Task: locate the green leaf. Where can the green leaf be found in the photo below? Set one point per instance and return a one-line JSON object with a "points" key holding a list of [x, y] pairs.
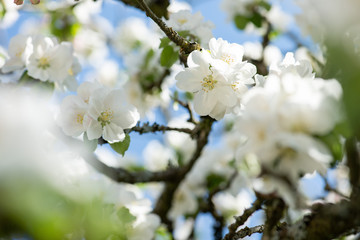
{"points": [[241, 21], [168, 57], [333, 142], [256, 19], [148, 57], [265, 5], [214, 180], [125, 216], [121, 147], [165, 41], [163, 234], [90, 144]]}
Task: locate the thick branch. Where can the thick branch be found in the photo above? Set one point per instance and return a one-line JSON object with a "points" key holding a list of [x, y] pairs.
{"points": [[123, 175], [165, 200], [159, 7], [187, 46], [240, 220], [327, 221], [147, 128]]}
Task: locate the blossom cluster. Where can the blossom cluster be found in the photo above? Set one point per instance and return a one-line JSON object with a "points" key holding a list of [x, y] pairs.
{"points": [[284, 119], [98, 111], [44, 59], [218, 77]]}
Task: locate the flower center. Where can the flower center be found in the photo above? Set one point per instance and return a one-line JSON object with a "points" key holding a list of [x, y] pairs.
{"points": [[105, 117], [43, 63], [182, 21], [228, 59], [79, 118], [208, 83]]}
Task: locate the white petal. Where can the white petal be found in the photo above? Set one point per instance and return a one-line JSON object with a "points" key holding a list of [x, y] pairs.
{"points": [[189, 80], [127, 117], [226, 95], [218, 112], [204, 102], [113, 133], [94, 130]]}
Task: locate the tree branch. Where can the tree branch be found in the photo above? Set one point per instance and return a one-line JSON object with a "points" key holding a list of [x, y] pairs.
{"points": [[248, 232], [240, 220], [201, 133], [147, 128], [125, 176], [187, 46], [159, 7]]}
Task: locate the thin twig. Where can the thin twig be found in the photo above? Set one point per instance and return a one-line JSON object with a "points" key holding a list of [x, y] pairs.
{"points": [[187, 46], [187, 106], [240, 220], [248, 232]]}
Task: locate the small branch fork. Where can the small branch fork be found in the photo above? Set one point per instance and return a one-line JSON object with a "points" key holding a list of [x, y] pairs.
{"points": [[186, 46], [240, 220]]}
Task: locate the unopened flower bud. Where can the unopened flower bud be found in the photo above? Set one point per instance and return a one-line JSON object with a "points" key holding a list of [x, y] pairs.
{"points": [[35, 1]]}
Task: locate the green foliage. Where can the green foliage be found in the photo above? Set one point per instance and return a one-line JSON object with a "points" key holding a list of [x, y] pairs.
{"points": [[63, 24], [163, 234], [31, 207], [256, 19], [334, 142], [165, 41], [124, 215], [90, 144], [265, 5], [168, 56], [214, 180], [121, 147], [241, 21]]}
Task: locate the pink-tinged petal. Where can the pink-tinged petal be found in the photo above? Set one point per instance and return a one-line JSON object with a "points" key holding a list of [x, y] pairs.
{"points": [[189, 80], [113, 133], [94, 129], [204, 103]]}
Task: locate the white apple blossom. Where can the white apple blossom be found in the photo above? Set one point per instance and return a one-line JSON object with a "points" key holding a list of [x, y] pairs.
{"points": [[72, 112], [229, 205], [289, 64], [49, 60], [109, 115], [218, 79], [20, 48], [184, 20], [282, 118], [253, 50], [73, 109], [279, 19]]}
